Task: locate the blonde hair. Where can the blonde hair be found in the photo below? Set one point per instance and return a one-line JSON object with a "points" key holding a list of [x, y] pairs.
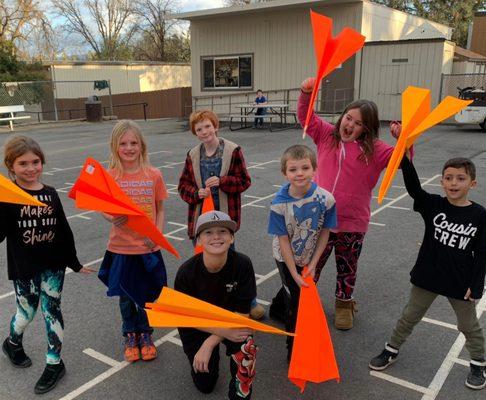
{"points": [[18, 146], [120, 128], [297, 152], [199, 116]]}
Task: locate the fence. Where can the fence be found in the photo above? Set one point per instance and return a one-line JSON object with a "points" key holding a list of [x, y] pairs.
{"points": [[327, 102], [65, 100], [451, 82]]}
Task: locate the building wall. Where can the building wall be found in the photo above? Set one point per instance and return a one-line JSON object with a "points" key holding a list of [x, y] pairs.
{"points": [[478, 40], [388, 68], [123, 78], [280, 41]]}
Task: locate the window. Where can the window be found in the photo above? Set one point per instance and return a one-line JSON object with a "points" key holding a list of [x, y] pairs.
{"points": [[228, 72]]}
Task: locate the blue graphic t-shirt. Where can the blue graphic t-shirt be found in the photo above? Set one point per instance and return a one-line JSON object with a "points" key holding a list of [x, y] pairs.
{"points": [[302, 220]]}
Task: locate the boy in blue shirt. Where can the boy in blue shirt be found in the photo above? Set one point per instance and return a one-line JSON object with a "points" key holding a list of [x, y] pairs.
{"points": [[260, 99], [301, 215]]}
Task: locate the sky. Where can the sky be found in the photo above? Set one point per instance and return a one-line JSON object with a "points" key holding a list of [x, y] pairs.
{"points": [[193, 5]]}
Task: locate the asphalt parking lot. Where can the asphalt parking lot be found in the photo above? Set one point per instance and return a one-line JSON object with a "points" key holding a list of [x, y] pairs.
{"points": [[432, 365]]}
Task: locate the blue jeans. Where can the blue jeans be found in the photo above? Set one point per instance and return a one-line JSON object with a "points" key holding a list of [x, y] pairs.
{"points": [[134, 318]]}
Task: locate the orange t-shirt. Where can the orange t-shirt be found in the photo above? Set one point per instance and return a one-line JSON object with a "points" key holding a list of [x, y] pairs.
{"points": [[145, 190]]}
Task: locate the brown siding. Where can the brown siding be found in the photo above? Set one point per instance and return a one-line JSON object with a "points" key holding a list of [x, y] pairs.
{"points": [[170, 103], [478, 41]]}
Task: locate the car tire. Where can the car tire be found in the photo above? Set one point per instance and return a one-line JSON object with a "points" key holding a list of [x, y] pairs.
{"points": [[483, 125]]}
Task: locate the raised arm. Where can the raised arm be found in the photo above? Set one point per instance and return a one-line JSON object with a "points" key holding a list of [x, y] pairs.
{"points": [[412, 181]]}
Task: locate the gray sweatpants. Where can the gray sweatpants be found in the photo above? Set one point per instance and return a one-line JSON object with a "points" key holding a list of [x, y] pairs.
{"points": [[467, 321]]}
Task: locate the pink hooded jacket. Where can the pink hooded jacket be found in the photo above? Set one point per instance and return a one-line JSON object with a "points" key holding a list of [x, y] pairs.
{"points": [[341, 172]]}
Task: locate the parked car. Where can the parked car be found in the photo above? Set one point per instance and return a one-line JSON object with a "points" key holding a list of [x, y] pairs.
{"points": [[474, 113]]}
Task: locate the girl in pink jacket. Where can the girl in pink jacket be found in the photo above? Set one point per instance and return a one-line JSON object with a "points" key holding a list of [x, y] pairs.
{"points": [[350, 159]]}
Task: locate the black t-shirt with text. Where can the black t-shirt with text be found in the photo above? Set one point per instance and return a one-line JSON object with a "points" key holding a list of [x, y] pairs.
{"points": [[38, 238], [452, 257], [232, 288]]}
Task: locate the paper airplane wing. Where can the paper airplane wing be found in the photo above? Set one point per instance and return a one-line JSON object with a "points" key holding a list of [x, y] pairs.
{"points": [[208, 205], [313, 357], [186, 310], [95, 189], [330, 52], [447, 107], [11, 193]]}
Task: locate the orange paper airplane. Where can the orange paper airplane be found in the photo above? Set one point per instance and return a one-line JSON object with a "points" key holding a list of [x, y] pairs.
{"points": [[313, 357], [96, 190], [174, 309], [416, 119], [330, 52], [11, 193], [207, 205]]}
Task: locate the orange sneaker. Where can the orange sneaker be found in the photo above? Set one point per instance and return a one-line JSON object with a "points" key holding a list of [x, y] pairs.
{"points": [[132, 352], [147, 348]]}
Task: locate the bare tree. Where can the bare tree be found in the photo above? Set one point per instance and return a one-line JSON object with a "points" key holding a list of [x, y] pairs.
{"points": [[243, 2], [107, 26], [23, 19], [155, 26]]}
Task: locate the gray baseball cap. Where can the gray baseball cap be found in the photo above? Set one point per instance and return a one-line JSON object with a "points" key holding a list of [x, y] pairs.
{"points": [[214, 218]]}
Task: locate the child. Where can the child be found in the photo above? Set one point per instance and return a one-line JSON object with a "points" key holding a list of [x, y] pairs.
{"points": [[225, 278], [451, 262], [133, 267], [260, 99], [350, 158], [301, 215], [214, 166], [40, 245]]}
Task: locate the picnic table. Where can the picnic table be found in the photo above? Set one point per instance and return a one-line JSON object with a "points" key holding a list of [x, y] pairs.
{"points": [[275, 111]]}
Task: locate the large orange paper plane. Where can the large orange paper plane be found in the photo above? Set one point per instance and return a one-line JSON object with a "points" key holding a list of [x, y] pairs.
{"points": [[330, 51], [174, 309], [96, 190], [11, 193], [207, 205], [313, 357], [416, 119]]}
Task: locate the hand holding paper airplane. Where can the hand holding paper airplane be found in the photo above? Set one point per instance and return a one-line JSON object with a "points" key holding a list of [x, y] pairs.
{"points": [[96, 190], [416, 119], [330, 51]]}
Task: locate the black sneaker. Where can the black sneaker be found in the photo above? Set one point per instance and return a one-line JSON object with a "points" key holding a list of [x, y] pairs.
{"points": [[388, 356], [477, 376], [49, 378], [16, 355]]}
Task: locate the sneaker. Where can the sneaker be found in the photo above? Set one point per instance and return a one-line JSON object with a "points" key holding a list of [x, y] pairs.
{"points": [[388, 356], [477, 376], [16, 355], [132, 352], [147, 348], [50, 377], [257, 312]]}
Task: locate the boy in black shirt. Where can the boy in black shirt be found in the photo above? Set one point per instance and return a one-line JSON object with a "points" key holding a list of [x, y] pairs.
{"points": [[451, 262], [225, 278]]}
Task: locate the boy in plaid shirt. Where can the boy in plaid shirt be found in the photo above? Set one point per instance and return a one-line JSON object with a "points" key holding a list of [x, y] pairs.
{"points": [[215, 166]]}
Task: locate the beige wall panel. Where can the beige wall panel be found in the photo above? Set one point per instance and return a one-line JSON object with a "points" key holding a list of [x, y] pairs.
{"points": [[281, 43], [123, 78], [383, 23], [383, 80]]}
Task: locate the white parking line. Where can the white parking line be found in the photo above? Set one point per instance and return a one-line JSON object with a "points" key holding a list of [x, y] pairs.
{"points": [[252, 203], [263, 302], [399, 208], [377, 223], [400, 382], [101, 357], [440, 323], [257, 165]]}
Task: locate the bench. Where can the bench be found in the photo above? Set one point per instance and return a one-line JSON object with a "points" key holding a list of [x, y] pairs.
{"points": [[243, 119], [11, 110]]}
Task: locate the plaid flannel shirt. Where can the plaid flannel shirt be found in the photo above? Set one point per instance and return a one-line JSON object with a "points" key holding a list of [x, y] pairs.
{"points": [[232, 185]]}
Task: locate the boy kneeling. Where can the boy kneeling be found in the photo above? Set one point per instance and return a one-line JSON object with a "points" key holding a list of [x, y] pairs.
{"points": [[225, 278]]}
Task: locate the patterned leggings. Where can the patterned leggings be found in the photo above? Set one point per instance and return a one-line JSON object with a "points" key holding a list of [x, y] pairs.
{"points": [[347, 248], [46, 287]]}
